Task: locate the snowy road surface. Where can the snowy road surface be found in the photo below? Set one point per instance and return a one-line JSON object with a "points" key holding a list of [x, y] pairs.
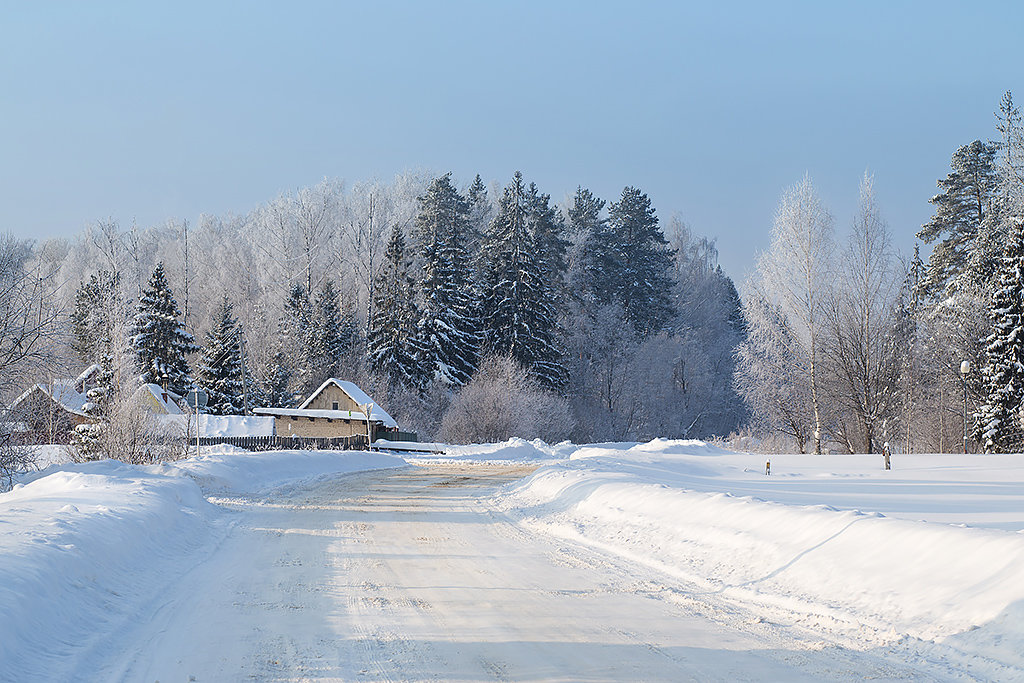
{"points": [[410, 574]]}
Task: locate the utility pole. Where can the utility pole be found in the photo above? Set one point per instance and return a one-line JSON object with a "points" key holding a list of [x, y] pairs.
{"points": [[965, 367], [241, 353]]}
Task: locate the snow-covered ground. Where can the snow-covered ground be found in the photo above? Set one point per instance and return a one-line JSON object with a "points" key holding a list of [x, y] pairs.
{"points": [[665, 560], [512, 451], [926, 560], [84, 548]]}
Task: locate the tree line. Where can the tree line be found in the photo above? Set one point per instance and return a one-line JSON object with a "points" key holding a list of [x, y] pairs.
{"points": [[586, 320], [850, 346]]}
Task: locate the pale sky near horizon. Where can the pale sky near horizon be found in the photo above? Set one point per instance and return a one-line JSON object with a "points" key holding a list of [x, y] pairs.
{"points": [[145, 111]]}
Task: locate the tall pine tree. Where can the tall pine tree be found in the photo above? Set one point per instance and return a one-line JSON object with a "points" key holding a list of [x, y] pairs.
{"points": [[999, 425], [160, 340], [392, 347], [967, 244], [448, 333], [275, 381], [220, 373], [638, 269], [589, 229], [518, 304], [93, 316], [297, 341]]}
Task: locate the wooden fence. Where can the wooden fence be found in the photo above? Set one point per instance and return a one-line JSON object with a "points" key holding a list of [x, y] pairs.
{"points": [[288, 443]]}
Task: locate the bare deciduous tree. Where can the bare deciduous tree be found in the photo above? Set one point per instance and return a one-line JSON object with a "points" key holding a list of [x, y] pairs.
{"points": [[795, 276], [502, 401], [863, 352]]}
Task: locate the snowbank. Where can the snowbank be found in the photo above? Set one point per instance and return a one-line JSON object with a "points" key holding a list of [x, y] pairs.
{"points": [[222, 425], [82, 546], [226, 468], [514, 450], [870, 578]]}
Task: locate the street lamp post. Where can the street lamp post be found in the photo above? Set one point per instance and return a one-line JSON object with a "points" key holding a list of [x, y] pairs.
{"points": [[965, 368]]}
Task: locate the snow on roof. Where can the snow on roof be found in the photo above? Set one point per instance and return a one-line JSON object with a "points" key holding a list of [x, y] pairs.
{"points": [[377, 414], [158, 393], [87, 373], [62, 392], [309, 412]]}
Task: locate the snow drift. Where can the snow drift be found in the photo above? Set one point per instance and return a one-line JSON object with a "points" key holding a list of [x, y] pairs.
{"points": [[869, 578], [83, 546], [513, 450]]}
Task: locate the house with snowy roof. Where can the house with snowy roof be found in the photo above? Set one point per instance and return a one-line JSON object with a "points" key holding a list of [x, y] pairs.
{"points": [[337, 408], [51, 410], [158, 400]]}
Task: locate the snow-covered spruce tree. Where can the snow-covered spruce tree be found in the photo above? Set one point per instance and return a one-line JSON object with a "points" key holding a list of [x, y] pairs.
{"points": [[392, 347], [161, 342], [94, 304], [275, 382], [220, 372], [588, 231], [639, 267], [548, 230], [123, 427], [295, 334], [448, 332], [963, 257], [87, 438], [480, 213], [519, 310], [999, 423], [333, 334]]}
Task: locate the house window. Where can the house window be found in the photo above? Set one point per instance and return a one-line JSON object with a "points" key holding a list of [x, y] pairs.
{"points": [[294, 418], [334, 405], [310, 419]]}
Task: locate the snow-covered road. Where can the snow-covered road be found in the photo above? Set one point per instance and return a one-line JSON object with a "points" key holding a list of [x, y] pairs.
{"points": [[411, 574]]}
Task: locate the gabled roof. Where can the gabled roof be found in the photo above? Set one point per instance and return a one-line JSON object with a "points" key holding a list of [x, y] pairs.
{"points": [[168, 406], [62, 392], [377, 414]]}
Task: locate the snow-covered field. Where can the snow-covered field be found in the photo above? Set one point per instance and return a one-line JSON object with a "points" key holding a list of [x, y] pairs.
{"points": [[926, 559], [830, 568]]}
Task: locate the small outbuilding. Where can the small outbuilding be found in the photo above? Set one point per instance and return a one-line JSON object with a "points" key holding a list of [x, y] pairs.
{"points": [[337, 408]]}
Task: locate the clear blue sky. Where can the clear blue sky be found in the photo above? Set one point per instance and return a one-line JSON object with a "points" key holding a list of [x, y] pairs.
{"points": [[159, 110]]}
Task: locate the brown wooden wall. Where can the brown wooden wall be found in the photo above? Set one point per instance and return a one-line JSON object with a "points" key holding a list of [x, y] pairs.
{"points": [[318, 426], [329, 396]]}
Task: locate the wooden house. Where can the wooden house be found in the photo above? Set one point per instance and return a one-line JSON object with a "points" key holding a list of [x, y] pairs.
{"points": [[49, 411], [337, 408]]}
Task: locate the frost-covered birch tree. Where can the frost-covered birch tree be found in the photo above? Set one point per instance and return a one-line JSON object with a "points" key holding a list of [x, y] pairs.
{"points": [[794, 278], [864, 352]]}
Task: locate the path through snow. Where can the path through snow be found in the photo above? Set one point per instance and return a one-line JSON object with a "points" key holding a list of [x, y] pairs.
{"points": [[411, 574]]}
